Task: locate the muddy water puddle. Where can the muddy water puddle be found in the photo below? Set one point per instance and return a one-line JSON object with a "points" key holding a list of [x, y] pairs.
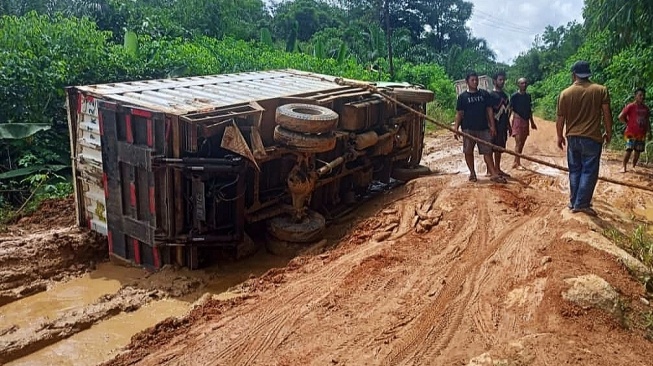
{"points": [[547, 170], [104, 340], [60, 297], [647, 213], [229, 274]]}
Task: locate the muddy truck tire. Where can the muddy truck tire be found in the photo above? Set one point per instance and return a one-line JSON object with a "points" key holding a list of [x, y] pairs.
{"points": [[304, 142], [306, 118], [309, 230], [413, 95], [288, 249], [407, 174]]}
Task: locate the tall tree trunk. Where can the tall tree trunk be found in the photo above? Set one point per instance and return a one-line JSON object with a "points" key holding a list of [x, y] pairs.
{"points": [[388, 36]]}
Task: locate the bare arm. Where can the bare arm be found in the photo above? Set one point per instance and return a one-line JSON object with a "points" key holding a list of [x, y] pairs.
{"points": [[622, 117], [490, 121], [509, 120], [457, 121], [560, 121], [607, 122], [530, 108], [560, 125]]}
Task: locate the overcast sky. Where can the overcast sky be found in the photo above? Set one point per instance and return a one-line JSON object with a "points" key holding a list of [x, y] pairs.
{"points": [[510, 26]]}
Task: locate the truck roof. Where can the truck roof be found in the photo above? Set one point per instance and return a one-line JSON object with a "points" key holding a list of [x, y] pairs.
{"points": [[204, 93]]}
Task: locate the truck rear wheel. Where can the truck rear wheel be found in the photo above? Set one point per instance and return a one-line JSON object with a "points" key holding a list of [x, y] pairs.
{"points": [[308, 230], [306, 118], [406, 174], [304, 142]]}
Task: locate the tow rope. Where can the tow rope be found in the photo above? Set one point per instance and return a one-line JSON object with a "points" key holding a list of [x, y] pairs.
{"points": [[372, 88]]}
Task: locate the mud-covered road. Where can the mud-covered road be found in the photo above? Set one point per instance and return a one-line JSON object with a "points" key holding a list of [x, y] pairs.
{"points": [[440, 271]]}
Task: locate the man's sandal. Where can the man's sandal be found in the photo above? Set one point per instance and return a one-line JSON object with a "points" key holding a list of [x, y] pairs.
{"points": [[472, 178], [499, 179]]}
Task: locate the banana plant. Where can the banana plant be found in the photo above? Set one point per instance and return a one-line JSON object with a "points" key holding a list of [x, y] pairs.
{"points": [[266, 37], [342, 53], [291, 42], [20, 131], [131, 43], [318, 50]]}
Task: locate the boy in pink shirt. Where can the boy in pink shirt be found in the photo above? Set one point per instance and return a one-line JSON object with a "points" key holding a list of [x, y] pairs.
{"points": [[636, 117]]}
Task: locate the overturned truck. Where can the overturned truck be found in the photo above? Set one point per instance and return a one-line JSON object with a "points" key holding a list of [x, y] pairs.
{"points": [[167, 169]]}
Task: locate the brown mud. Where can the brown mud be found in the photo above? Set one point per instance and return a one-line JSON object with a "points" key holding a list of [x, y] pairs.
{"points": [[439, 271], [45, 247], [19, 342], [481, 284]]}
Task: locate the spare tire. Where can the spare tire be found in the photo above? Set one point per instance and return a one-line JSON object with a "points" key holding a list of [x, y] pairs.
{"points": [[413, 95], [305, 142], [310, 229], [306, 118]]}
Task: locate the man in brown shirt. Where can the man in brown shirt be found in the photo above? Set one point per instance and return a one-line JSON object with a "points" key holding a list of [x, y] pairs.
{"points": [[581, 107]]}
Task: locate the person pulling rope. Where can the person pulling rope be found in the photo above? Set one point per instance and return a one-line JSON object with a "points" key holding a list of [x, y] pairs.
{"points": [[374, 89]]}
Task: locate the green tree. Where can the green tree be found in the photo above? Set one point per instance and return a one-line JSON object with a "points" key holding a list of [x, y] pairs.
{"points": [[311, 15], [445, 22], [627, 22], [549, 52], [240, 19]]}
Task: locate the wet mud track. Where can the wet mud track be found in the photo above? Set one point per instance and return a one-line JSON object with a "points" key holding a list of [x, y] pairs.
{"points": [[481, 286], [63, 303], [440, 271], [37, 250]]}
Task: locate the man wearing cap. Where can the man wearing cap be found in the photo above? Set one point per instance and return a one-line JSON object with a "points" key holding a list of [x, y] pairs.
{"points": [[581, 108]]}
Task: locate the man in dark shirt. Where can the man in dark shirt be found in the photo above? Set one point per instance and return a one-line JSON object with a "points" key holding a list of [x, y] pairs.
{"points": [[521, 105], [474, 114], [501, 112]]}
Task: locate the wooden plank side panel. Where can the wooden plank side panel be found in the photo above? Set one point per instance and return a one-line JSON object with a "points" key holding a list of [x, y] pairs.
{"points": [[89, 163]]}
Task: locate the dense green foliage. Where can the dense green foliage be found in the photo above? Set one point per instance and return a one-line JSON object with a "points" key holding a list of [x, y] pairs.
{"points": [[41, 54], [549, 53], [420, 31], [617, 40]]}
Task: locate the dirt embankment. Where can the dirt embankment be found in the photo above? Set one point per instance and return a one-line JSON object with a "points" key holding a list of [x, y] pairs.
{"points": [[501, 274], [45, 247]]}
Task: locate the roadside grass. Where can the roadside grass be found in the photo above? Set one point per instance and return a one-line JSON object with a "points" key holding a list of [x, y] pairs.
{"points": [[647, 323], [439, 113], [639, 243], [618, 143]]}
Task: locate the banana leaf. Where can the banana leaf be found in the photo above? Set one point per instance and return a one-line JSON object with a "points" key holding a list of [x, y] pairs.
{"points": [[131, 43], [19, 131], [15, 173]]}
